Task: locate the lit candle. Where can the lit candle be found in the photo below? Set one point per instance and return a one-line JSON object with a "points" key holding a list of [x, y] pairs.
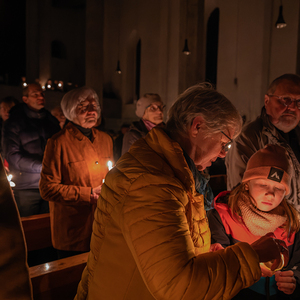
{"points": [[109, 165], [11, 183]]}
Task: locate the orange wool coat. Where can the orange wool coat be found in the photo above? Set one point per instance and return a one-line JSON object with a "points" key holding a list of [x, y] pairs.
{"points": [[151, 237], [72, 166]]}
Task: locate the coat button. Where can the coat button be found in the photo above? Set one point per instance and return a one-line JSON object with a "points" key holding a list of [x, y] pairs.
{"points": [[96, 162]]}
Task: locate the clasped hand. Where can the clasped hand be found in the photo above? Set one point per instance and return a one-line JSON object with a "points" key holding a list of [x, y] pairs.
{"points": [[95, 194]]}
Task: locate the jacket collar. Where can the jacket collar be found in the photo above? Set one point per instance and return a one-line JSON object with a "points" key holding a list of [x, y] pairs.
{"points": [[41, 114], [77, 133], [173, 154]]}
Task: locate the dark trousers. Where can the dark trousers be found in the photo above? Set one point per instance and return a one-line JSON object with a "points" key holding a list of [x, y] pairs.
{"points": [[30, 203]]}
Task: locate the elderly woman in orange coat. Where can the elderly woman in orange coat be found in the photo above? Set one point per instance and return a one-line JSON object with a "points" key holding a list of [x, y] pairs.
{"points": [[75, 163]]}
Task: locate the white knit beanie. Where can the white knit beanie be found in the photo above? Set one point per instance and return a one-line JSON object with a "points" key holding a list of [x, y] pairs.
{"points": [[144, 102]]}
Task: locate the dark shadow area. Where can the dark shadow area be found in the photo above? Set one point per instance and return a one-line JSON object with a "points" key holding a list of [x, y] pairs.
{"points": [[13, 41], [212, 39], [41, 256]]}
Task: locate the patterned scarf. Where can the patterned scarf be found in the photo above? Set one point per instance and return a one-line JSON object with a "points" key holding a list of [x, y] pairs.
{"points": [[258, 222]]}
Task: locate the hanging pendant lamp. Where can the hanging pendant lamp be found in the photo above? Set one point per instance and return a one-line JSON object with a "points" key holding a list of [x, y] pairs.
{"points": [[186, 50], [118, 69], [280, 23]]}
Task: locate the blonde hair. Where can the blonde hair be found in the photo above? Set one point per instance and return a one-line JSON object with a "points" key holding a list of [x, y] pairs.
{"points": [[202, 99], [292, 224]]}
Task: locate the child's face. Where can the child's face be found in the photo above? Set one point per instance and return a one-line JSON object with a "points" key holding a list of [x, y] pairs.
{"points": [[268, 194]]}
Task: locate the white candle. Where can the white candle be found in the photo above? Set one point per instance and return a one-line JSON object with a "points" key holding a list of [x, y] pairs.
{"points": [[109, 165], [9, 177]]}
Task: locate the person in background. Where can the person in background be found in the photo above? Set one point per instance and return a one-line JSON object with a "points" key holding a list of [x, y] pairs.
{"points": [[25, 134], [118, 141], [59, 115], [151, 238], [150, 110], [256, 207], [278, 124], [75, 163], [14, 271], [5, 105]]}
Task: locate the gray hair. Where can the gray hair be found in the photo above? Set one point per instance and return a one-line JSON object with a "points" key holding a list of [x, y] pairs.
{"points": [[293, 78], [203, 100], [73, 98]]}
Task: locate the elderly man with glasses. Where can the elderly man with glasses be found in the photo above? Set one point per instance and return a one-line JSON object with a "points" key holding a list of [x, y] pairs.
{"points": [[151, 238], [278, 125], [150, 110]]}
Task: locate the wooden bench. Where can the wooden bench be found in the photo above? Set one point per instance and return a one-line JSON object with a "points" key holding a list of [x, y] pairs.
{"points": [[37, 231], [57, 279]]}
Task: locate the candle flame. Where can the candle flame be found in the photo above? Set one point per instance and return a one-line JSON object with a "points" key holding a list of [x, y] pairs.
{"points": [[109, 165], [11, 183]]}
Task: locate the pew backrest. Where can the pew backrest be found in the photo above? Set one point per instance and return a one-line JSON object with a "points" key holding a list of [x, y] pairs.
{"points": [[57, 279], [37, 231]]}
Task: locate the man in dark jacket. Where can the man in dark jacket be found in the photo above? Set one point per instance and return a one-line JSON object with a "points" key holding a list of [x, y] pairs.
{"points": [[25, 135]]}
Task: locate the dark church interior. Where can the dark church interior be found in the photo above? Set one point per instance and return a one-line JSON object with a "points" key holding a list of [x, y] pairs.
{"points": [[122, 51]]}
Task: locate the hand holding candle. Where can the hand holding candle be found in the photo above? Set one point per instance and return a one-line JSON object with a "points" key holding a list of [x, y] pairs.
{"points": [[97, 190], [271, 250], [11, 183]]}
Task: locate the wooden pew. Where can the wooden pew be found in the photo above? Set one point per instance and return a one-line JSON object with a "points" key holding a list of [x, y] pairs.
{"points": [[37, 231], [58, 279]]}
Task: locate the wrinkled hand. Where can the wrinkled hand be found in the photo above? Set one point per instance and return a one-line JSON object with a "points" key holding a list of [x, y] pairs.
{"points": [[268, 249], [265, 272], [97, 190], [285, 281], [215, 247], [95, 194], [94, 197]]}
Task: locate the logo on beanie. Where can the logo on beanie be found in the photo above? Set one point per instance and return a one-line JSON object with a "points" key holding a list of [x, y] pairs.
{"points": [[275, 174]]}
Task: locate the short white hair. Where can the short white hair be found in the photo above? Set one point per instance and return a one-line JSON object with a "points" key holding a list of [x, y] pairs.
{"points": [[72, 99]]}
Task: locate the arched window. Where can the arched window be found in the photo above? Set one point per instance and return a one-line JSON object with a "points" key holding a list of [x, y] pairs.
{"points": [[133, 68], [138, 69], [212, 39]]}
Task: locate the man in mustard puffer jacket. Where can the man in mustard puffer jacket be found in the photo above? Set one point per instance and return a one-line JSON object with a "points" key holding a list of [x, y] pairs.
{"points": [[151, 238]]}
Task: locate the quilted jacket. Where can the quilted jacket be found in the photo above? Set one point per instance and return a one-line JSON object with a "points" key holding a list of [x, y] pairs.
{"points": [[151, 237], [72, 165], [25, 135]]}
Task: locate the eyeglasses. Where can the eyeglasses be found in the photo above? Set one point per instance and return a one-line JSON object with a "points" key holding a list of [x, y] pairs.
{"points": [[227, 146], [287, 101], [89, 107], [154, 107]]}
